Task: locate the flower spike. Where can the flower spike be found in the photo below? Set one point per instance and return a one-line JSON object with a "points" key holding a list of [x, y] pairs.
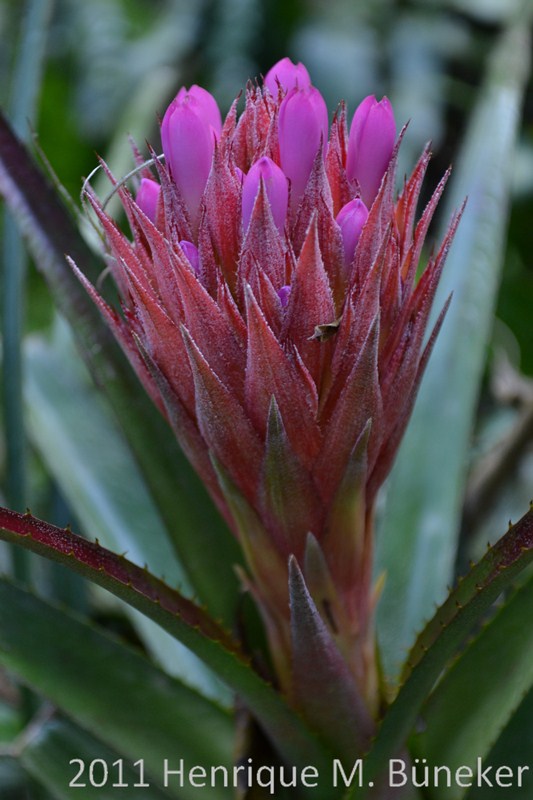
{"points": [[271, 309]]}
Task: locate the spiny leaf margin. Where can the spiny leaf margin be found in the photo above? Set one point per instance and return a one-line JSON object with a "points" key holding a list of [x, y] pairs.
{"points": [[442, 636], [187, 622]]}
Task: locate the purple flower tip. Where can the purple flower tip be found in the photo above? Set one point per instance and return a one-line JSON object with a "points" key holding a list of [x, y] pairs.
{"points": [[276, 189], [370, 146], [191, 253], [288, 76], [284, 293], [351, 219], [147, 197], [188, 131], [303, 125]]}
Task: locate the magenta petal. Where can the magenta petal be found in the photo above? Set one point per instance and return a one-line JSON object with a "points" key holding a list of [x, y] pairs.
{"points": [[191, 253], [303, 126], [288, 76], [276, 188], [370, 146], [147, 197], [188, 142], [284, 294], [351, 219], [205, 103]]}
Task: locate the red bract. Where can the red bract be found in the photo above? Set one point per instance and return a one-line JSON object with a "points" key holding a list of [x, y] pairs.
{"points": [[286, 349]]}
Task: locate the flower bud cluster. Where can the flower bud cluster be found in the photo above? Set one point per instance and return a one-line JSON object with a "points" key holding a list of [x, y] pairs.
{"points": [[192, 126], [272, 310]]}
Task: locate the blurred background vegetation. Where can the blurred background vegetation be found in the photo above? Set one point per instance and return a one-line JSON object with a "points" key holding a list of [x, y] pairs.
{"points": [[76, 78]]}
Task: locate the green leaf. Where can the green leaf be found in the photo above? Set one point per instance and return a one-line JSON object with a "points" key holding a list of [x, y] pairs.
{"points": [[177, 615], [77, 436], [509, 751], [476, 698], [51, 748], [206, 548], [417, 536], [23, 101], [442, 638], [108, 688]]}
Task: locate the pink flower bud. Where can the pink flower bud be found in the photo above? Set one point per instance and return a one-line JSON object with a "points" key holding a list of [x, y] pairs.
{"points": [[207, 105], [372, 137], [351, 219], [303, 124], [190, 252], [147, 197], [288, 76], [188, 131], [276, 189]]}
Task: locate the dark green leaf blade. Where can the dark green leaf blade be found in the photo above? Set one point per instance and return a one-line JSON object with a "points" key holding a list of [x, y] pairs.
{"points": [[109, 688], [478, 695], [417, 541], [54, 744], [178, 616], [444, 635]]}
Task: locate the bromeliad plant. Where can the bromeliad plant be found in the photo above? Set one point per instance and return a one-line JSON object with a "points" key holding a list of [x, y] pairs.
{"points": [[276, 323], [272, 305]]}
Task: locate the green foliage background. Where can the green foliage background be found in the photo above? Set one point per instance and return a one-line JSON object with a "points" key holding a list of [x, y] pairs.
{"points": [[91, 73]]}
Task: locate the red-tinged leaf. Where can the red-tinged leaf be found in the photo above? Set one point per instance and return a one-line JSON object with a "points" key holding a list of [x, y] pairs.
{"points": [[412, 256], [349, 554], [181, 618], [114, 572], [359, 401], [397, 426], [228, 128], [316, 202], [419, 302], [222, 203], [252, 128], [122, 252], [335, 161], [163, 341], [208, 271], [268, 300], [360, 311], [270, 372], [213, 333], [228, 307], [263, 247], [310, 305], [177, 225], [288, 499], [163, 263], [123, 335], [405, 212], [223, 423], [326, 693], [391, 286], [186, 431]]}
